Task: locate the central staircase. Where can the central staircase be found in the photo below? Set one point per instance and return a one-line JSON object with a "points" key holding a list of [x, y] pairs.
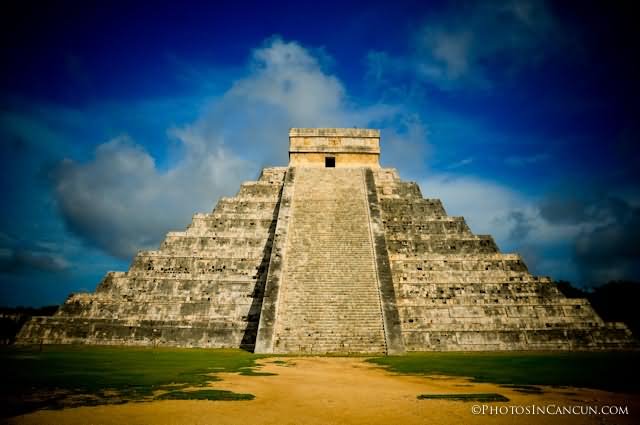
{"points": [[330, 297]]}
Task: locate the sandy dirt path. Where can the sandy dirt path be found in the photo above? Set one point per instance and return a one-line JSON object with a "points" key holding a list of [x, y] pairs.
{"points": [[324, 390]]}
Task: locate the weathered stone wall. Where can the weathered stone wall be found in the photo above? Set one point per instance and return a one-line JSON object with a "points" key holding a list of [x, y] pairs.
{"points": [[456, 291], [370, 133], [203, 287], [351, 147]]}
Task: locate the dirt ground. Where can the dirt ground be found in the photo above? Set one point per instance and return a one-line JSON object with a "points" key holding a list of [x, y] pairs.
{"points": [[325, 390]]}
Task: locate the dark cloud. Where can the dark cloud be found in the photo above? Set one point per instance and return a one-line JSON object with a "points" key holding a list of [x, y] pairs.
{"points": [[606, 248], [573, 209], [23, 261], [611, 251], [19, 258], [563, 210], [521, 225]]}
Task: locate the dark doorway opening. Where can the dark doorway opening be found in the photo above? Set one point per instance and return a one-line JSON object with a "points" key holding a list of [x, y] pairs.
{"points": [[329, 162]]}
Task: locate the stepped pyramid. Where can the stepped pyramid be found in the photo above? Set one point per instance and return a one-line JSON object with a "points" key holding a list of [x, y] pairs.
{"points": [[330, 254]]}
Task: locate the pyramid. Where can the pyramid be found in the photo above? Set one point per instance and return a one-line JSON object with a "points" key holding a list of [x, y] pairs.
{"points": [[332, 254]]}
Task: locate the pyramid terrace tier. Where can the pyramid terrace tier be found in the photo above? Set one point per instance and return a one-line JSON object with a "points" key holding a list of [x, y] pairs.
{"points": [[603, 338], [458, 262], [243, 206], [261, 191], [389, 185], [486, 317], [211, 313], [221, 305], [201, 288], [480, 244], [401, 190], [101, 331], [402, 209], [238, 225], [456, 289], [409, 227], [215, 245], [431, 301], [274, 175], [160, 265], [459, 278]]}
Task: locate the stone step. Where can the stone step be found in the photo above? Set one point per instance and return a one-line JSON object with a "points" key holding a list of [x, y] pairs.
{"points": [[330, 280], [323, 338], [330, 328]]}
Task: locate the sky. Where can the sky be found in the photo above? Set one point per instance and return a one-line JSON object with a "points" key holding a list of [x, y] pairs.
{"points": [[120, 121]]}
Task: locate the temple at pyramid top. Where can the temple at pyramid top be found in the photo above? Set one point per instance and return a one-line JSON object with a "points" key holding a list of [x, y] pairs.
{"points": [[334, 147]]}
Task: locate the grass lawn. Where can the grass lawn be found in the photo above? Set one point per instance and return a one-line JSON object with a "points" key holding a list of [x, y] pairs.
{"points": [[65, 376], [611, 371], [68, 376]]}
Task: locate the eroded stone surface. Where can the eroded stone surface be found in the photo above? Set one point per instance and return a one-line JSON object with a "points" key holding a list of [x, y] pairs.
{"points": [[348, 147], [456, 291], [330, 297], [203, 287], [315, 259]]}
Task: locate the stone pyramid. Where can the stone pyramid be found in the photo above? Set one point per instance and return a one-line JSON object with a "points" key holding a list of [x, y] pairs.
{"points": [[330, 254]]}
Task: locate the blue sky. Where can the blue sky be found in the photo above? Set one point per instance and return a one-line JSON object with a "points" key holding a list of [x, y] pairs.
{"points": [[118, 122]]}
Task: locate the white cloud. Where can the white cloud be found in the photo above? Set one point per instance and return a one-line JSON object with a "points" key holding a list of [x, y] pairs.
{"points": [[287, 76], [404, 143], [121, 201], [493, 208], [481, 202], [445, 55]]}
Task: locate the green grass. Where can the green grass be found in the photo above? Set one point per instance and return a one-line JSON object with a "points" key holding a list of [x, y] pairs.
{"points": [[482, 397], [611, 371], [60, 376]]}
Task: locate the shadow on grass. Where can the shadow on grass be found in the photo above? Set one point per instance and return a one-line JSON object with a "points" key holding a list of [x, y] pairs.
{"points": [[205, 395], [482, 397], [71, 376], [247, 371], [526, 389]]}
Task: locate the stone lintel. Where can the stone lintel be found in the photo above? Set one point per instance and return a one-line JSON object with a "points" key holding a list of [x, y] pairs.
{"points": [[335, 132]]}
